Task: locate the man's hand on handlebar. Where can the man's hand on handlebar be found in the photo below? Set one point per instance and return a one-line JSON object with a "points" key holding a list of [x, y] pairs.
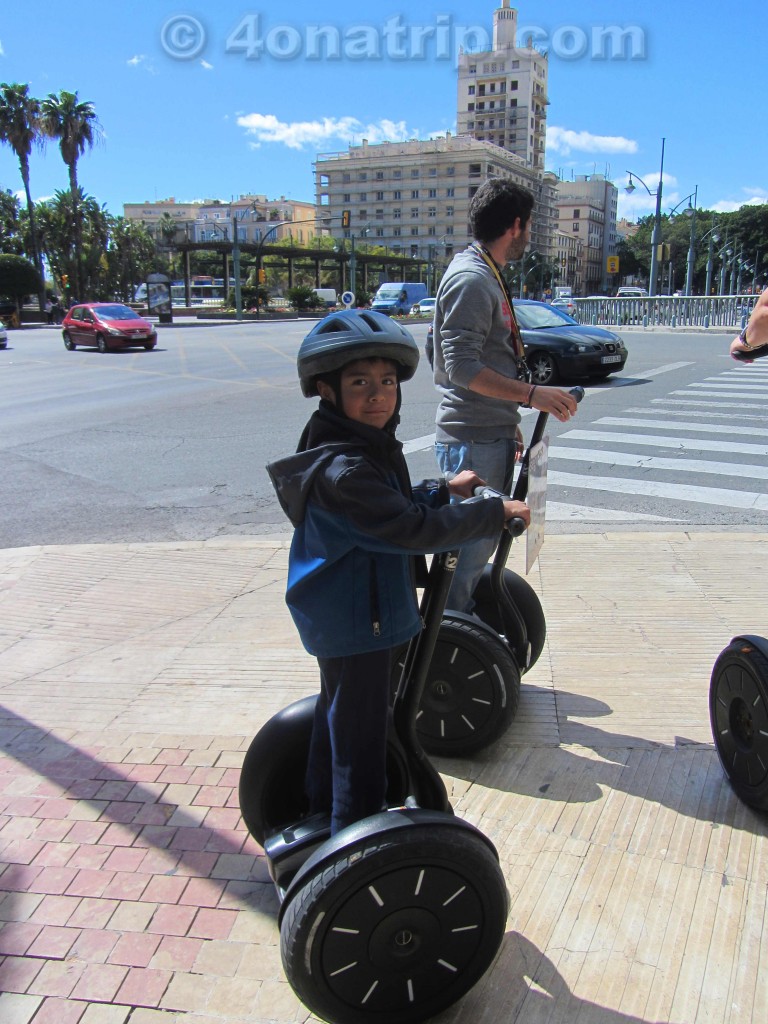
{"points": [[558, 403]]}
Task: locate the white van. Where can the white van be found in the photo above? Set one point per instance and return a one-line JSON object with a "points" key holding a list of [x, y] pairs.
{"points": [[630, 292], [327, 296]]}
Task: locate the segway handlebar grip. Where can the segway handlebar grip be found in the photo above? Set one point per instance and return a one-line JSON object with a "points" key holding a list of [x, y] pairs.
{"points": [[578, 393], [747, 357], [515, 526]]}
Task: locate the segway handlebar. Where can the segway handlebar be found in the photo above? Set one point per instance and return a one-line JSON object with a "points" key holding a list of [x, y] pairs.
{"points": [[747, 357], [515, 525]]}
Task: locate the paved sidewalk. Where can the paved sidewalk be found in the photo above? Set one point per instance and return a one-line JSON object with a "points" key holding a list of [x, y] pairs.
{"points": [[132, 678]]}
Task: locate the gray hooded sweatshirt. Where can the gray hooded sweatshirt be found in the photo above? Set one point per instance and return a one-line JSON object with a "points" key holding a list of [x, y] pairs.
{"points": [[472, 331]]}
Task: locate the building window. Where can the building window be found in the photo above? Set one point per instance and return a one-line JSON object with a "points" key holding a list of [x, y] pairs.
{"points": [[432, 231], [379, 175], [450, 171], [481, 90], [449, 211], [362, 176], [513, 84], [473, 69], [380, 197], [471, 90], [396, 232], [433, 193], [363, 197], [362, 214], [397, 195], [470, 107], [379, 232], [433, 172], [380, 214], [577, 214], [470, 125], [415, 231], [414, 213], [415, 172], [475, 169], [432, 211], [450, 192], [346, 177], [397, 174], [448, 231], [347, 198], [471, 192], [414, 193], [397, 213]]}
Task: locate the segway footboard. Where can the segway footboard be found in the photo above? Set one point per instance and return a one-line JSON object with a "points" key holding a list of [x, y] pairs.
{"points": [[738, 709]]}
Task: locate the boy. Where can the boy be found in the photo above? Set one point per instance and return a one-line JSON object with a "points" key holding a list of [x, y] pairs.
{"points": [[357, 522]]}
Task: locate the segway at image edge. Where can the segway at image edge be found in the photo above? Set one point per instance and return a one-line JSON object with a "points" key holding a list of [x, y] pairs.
{"points": [[738, 711]]}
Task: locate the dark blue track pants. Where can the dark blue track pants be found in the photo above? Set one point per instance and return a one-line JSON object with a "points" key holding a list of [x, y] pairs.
{"points": [[346, 772]]}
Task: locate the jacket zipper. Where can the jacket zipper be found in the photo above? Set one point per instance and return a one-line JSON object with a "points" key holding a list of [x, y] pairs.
{"points": [[374, 598]]}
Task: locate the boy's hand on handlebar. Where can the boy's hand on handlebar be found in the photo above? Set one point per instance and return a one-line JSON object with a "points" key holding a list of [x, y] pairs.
{"points": [[517, 510], [464, 483], [555, 401]]}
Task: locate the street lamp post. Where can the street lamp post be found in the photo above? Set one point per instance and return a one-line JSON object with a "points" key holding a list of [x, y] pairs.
{"points": [[656, 236], [713, 238], [262, 240], [690, 211]]}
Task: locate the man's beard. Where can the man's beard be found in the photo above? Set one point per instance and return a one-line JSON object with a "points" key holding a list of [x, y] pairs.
{"points": [[516, 249]]}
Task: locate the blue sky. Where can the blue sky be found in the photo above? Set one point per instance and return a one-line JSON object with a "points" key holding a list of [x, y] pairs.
{"points": [[216, 100]]}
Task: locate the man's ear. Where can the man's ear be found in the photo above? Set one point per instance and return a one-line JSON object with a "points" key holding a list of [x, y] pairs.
{"points": [[326, 391]]}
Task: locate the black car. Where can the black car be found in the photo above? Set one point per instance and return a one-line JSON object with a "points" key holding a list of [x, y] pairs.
{"points": [[558, 349]]}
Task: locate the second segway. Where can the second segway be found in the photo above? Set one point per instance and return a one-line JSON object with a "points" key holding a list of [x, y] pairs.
{"points": [[472, 689]]}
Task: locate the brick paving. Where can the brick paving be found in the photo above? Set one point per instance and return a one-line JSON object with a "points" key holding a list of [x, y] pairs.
{"points": [[132, 679]]}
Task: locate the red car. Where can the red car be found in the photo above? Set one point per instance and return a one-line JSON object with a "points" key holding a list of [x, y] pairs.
{"points": [[105, 325]]}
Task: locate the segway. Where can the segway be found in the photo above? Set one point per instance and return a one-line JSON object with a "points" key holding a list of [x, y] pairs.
{"points": [[397, 916], [738, 712], [472, 690], [738, 703]]}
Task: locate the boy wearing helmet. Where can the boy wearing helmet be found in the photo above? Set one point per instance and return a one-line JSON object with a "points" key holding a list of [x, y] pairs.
{"points": [[357, 523]]}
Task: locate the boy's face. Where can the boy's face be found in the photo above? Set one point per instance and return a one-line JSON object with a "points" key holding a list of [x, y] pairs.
{"points": [[368, 391]]}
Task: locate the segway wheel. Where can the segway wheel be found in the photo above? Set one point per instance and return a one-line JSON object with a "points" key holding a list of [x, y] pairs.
{"points": [[397, 927], [472, 689], [526, 600], [271, 790], [738, 711]]}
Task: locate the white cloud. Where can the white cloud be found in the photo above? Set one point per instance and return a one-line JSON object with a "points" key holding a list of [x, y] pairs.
{"points": [[2, 51], [138, 58], [297, 134], [730, 205], [565, 140], [206, 65]]}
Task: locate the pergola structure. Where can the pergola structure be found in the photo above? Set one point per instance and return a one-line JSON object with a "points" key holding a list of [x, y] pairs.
{"points": [[393, 266]]}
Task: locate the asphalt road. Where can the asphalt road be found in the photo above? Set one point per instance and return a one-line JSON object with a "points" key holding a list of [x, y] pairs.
{"points": [[172, 444]]}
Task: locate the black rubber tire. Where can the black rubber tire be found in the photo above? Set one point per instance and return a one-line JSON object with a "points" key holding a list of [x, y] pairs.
{"points": [[69, 345], [101, 343], [149, 346], [397, 928], [471, 693], [543, 368], [271, 788], [738, 712], [527, 603]]}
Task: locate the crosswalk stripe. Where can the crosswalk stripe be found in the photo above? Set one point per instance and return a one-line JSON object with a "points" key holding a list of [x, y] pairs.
{"points": [[704, 428], [699, 393], [697, 403], [681, 443], [655, 462], [729, 416], [658, 489]]}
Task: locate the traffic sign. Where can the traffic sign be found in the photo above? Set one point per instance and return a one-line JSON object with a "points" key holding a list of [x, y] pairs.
{"points": [[612, 264], [348, 299]]}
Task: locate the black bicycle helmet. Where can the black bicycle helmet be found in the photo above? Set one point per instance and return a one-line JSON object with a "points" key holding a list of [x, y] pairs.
{"points": [[352, 334]]}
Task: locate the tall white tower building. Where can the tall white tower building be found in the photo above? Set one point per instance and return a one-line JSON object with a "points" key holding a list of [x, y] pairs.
{"points": [[502, 93]]}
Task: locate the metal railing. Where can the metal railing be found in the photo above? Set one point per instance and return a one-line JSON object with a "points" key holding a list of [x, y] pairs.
{"points": [[730, 311]]}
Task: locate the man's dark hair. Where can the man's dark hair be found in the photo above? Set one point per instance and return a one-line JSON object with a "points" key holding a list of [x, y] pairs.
{"points": [[495, 207]]}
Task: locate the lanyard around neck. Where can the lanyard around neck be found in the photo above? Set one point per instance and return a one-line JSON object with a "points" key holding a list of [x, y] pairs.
{"points": [[517, 340]]}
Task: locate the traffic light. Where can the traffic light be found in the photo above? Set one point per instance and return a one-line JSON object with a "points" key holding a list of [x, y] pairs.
{"points": [[262, 275], [563, 262], [345, 218]]}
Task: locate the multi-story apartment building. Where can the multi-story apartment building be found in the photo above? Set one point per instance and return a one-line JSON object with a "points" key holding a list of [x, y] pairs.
{"points": [[570, 261], [413, 197], [211, 219], [587, 211]]}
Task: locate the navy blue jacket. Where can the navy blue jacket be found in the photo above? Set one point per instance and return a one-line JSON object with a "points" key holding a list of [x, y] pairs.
{"points": [[357, 523]]}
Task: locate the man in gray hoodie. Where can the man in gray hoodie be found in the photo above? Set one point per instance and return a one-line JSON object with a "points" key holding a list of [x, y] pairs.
{"points": [[479, 361]]}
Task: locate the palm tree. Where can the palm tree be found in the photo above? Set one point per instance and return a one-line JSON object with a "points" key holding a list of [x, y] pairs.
{"points": [[75, 125], [20, 129]]}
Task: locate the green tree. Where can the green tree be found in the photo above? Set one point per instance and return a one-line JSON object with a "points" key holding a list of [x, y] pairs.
{"points": [[130, 257], [89, 269], [20, 129], [10, 225], [74, 124], [18, 277]]}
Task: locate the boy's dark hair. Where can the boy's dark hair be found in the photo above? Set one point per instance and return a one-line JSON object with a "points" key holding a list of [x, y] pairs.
{"points": [[495, 207]]}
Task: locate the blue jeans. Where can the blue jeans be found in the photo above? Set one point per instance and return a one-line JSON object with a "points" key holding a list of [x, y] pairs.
{"points": [[494, 462]]}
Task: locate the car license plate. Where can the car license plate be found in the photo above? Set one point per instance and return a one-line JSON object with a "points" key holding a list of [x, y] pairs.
{"points": [[138, 334], [611, 359]]}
